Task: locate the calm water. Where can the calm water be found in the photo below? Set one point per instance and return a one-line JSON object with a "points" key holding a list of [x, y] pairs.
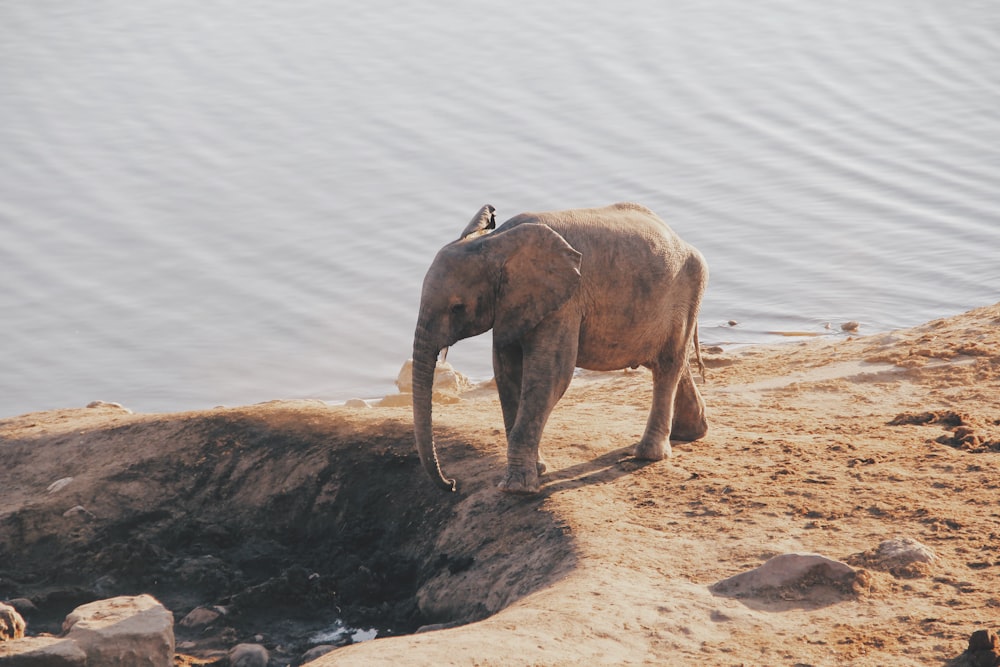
{"points": [[229, 202]]}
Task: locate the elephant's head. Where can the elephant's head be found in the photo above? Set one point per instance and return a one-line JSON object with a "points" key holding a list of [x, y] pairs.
{"points": [[507, 280]]}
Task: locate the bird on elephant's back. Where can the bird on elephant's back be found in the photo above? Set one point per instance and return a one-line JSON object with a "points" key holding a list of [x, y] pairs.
{"points": [[602, 289]]}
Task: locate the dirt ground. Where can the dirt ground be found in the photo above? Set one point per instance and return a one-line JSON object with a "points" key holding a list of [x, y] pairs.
{"points": [[289, 515]]}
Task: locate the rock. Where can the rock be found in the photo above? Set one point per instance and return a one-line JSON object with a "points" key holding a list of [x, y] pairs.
{"points": [[124, 631], [850, 327], [902, 557], [42, 652], [396, 401], [11, 623], [317, 652], [200, 617], [984, 649], [59, 484], [903, 551], [357, 403], [80, 512], [24, 606], [446, 379], [108, 404], [795, 570], [248, 655]]}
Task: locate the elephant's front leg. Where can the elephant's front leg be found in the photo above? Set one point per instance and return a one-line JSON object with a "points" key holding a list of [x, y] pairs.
{"points": [[507, 364], [546, 373]]}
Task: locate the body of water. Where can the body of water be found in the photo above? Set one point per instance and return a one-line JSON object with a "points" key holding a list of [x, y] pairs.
{"points": [[230, 202]]}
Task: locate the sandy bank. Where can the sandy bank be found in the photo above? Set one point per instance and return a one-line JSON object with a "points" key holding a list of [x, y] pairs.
{"points": [[611, 564]]}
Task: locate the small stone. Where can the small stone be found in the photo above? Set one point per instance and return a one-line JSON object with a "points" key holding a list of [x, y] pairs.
{"points": [[357, 403], [901, 557], [404, 400], [317, 652], [81, 512], [850, 327], [11, 623], [108, 405], [59, 484], [248, 655], [200, 617], [732, 323], [903, 551]]}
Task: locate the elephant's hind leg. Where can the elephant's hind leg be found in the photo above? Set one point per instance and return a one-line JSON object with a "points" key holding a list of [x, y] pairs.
{"points": [[689, 422], [655, 443]]}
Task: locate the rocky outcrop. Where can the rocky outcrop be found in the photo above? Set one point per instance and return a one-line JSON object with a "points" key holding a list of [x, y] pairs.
{"points": [[42, 652], [11, 623], [789, 572], [449, 385], [135, 631]]}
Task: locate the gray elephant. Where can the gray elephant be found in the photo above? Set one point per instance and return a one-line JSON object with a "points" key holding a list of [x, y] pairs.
{"points": [[601, 289]]}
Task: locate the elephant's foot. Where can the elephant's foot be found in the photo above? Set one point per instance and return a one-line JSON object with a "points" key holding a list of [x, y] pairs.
{"points": [[520, 481], [689, 433], [647, 451]]}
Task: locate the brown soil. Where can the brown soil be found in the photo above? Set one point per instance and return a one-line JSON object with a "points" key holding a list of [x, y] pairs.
{"points": [[293, 514]]}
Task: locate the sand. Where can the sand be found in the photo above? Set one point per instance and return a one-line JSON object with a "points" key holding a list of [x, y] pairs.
{"points": [[827, 446]]}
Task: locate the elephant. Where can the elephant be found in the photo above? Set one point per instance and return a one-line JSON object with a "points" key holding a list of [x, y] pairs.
{"points": [[599, 288]]}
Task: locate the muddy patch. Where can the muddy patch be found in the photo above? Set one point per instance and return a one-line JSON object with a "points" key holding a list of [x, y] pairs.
{"points": [[289, 526]]}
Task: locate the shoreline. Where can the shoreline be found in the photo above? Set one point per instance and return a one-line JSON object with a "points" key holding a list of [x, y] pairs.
{"points": [[826, 447]]}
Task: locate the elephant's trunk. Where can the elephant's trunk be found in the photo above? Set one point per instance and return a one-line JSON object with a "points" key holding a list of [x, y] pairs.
{"points": [[424, 362]]}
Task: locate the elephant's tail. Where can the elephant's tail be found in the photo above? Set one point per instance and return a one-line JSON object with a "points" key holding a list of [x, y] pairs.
{"points": [[697, 354]]}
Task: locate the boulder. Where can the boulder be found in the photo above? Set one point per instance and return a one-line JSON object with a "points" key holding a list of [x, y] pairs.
{"points": [[11, 623], [447, 380], [248, 655], [788, 571], [42, 652], [123, 631]]}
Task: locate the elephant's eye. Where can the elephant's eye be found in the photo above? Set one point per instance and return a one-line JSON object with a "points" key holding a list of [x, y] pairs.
{"points": [[457, 308]]}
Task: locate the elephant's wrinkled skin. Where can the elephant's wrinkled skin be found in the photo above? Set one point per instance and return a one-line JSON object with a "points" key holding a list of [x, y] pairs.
{"points": [[602, 289]]}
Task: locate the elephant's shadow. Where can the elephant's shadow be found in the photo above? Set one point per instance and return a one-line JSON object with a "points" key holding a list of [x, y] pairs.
{"points": [[601, 470]]}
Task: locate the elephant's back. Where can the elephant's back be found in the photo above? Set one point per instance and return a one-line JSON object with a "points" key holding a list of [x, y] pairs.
{"points": [[622, 233], [582, 225]]}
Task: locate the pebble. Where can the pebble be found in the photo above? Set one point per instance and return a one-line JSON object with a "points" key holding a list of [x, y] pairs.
{"points": [[317, 652], [200, 617], [108, 404], [248, 655], [59, 484]]}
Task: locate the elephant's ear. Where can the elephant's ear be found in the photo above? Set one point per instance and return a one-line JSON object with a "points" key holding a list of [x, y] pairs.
{"points": [[539, 272], [481, 223]]}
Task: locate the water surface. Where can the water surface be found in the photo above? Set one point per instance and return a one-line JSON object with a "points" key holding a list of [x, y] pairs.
{"points": [[231, 202]]}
